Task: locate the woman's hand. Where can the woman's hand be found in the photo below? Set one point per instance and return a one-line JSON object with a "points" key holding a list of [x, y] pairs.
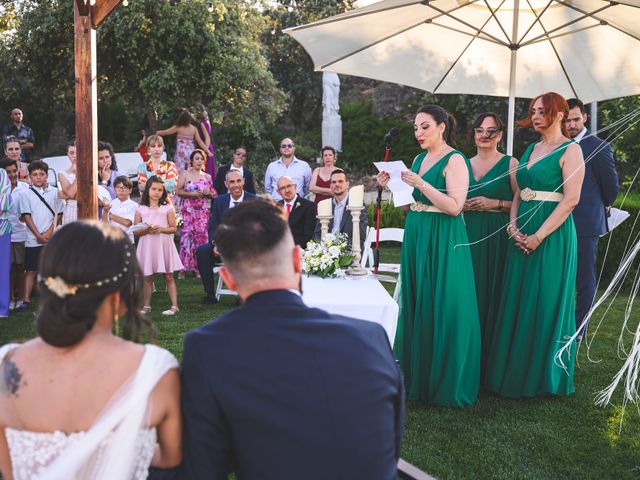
{"points": [[532, 242], [479, 204], [411, 178], [154, 229], [383, 178]]}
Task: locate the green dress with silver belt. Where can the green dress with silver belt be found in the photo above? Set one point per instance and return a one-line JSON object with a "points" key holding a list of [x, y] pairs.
{"points": [[537, 310], [489, 245], [438, 337]]}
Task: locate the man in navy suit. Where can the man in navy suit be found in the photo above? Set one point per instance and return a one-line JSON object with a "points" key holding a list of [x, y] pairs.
{"points": [[205, 254], [301, 213], [599, 190], [277, 390]]}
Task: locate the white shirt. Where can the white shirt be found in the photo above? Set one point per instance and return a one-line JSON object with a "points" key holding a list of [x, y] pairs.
{"points": [[127, 210], [581, 135], [233, 203], [40, 214], [292, 203], [338, 212], [18, 229]]}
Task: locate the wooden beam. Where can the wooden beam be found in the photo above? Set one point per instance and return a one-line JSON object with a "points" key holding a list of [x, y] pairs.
{"points": [[83, 7], [101, 10], [86, 114]]}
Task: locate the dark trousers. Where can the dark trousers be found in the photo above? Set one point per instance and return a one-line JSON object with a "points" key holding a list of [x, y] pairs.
{"points": [[206, 260], [586, 276]]}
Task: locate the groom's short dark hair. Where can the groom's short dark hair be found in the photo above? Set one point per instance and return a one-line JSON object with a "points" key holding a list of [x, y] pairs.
{"points": [[249, 231]]}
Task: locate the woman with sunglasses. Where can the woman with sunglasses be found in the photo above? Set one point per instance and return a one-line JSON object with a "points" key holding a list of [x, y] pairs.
{"points": [[238, 160], [486, 212]]}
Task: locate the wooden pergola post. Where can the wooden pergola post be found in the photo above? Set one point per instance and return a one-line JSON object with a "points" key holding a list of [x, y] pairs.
{"points": [[86, 19]]}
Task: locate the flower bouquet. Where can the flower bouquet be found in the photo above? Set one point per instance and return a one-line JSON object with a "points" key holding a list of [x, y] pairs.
{"points": [[327, 257]]}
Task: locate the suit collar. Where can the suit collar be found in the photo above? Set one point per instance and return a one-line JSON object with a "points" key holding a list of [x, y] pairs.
{"points": [[275, 297]]}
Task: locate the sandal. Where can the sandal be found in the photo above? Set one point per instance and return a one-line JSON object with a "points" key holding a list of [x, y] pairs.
{"points": [[146, 309], [171, 311]]}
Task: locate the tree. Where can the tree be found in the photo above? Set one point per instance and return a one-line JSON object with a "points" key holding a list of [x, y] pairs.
{"points": [[290, 64], [154, 55]]}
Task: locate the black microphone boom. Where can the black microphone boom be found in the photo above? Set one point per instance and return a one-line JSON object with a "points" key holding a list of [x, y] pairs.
{"points": [[394, 132]]}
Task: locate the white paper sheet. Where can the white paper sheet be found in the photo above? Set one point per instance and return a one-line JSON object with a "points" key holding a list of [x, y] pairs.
{"points": [[137, 226], [402, 193], [616, 217]]}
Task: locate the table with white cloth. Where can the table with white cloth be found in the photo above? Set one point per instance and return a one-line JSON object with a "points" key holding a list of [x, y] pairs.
{"points": [[363, 298]]}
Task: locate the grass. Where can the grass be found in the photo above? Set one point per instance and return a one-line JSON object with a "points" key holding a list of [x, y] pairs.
{"points": [[559, 438]]}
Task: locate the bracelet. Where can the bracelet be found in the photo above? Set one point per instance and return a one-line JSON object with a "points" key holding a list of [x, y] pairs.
{"points": [[511, 229], [500, 204]]}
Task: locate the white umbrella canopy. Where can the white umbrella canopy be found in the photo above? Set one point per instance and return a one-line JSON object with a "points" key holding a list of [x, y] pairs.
{"points": [[589, 49]]}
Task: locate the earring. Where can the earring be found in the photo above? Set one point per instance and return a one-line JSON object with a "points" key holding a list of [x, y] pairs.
{"points": [[116, 324]]}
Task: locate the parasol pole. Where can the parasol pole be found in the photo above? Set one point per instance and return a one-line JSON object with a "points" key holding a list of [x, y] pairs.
{"points": [[512, 79]]}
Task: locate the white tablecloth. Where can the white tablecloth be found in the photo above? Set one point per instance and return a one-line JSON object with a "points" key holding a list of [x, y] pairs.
{"points": [[363, 298]]}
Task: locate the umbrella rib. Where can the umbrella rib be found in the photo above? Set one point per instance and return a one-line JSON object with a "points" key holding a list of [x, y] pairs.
{"points": [[493, 14], [553, 37], [555, 51], [453, 64], [349, 15], [565, 25], [466, 24], [369, 45], [473, 35], [601, 20], [537, 19]]}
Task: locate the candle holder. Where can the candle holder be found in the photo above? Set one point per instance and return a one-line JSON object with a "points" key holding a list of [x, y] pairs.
{"points": [[356, 269], [324, 224]]}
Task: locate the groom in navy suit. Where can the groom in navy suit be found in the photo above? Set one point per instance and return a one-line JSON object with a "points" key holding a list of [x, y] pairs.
{"points": [[277, 390], [205, 255], [599, 190]]}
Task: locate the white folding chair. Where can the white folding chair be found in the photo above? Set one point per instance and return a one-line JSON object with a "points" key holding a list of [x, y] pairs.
{"points": [[386, 235], [221, 288]]}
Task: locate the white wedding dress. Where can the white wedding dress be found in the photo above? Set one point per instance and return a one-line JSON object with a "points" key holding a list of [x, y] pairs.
{"points": [[117, 446]]}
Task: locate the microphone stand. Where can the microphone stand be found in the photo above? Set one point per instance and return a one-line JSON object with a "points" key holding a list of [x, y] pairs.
{"points": [[376, 253]]}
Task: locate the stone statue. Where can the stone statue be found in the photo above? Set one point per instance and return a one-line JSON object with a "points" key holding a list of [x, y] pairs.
{"points": [[331, 121]]}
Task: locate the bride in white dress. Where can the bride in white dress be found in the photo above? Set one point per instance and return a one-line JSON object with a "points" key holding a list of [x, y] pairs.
{"points": [[78, 402]]}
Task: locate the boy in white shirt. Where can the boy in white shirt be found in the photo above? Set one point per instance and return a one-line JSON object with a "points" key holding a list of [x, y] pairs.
{"points": [[18, 234], [122, 210], [41, 210]]}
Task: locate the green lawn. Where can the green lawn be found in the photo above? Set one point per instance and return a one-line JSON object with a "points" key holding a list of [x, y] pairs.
{"points": [[497, 438]]}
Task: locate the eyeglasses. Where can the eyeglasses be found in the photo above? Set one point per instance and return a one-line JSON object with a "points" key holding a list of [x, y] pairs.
{"points": [[287, 145], [489, 132], [122, 187], [240, 154]]}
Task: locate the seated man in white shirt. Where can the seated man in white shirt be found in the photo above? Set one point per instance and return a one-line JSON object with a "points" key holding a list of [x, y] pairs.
{"points": [[121, 212], [342, 221]]}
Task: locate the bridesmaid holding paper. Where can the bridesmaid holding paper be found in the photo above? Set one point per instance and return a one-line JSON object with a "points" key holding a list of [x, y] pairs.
{"points": [[438, 338]]}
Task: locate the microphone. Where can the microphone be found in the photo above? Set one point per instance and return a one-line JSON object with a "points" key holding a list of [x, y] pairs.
{"points": [[391, 134]]}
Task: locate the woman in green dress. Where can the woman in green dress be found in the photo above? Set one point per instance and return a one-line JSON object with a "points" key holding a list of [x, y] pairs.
{"points": [[537, 314], [438, 337], [486, 214]]}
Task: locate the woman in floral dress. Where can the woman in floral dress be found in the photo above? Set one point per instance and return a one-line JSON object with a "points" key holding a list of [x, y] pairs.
{"points": [[195, 187]]}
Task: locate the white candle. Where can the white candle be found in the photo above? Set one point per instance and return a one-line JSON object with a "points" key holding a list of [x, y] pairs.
{"points": [[356, 196], [324, 208]]}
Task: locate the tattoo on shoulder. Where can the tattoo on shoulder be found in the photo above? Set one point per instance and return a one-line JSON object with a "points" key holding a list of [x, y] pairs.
{"points": [[10, 378]]}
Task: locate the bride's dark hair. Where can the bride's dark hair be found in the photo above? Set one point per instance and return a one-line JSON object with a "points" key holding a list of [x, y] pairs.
{"points": [[83, 263]]}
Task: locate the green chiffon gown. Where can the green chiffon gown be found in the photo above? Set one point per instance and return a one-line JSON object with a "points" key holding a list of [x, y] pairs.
{"points": [[537, 309], [438, 337], [488, 254]]}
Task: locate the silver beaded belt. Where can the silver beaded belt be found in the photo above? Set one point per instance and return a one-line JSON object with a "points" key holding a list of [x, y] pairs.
{"points": [[423, 207], [527, 195]]}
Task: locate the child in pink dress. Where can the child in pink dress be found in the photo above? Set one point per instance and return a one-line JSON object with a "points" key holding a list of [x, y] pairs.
{"points": [[156, 251]]}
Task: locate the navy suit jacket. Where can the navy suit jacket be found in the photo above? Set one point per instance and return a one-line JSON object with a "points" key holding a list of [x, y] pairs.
{"points": [[302, 220], [278, 390], [219, 206], [599, 188]]}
